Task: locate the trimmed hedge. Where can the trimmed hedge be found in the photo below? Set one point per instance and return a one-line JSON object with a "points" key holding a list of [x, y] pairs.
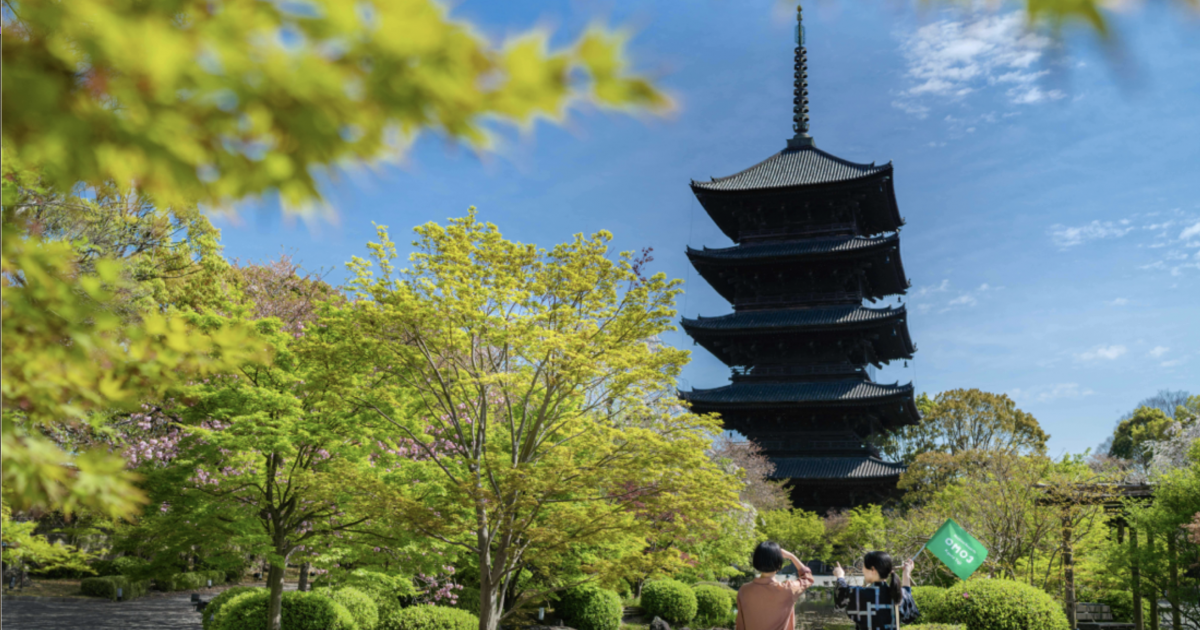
{"points": [[591, 608], [1001, 605], [935, 626], [670, 599], [429, 618], [931, 603], [217, 603], [124, 565], [714, 605], [361, 606], [107, 587], [390, 592], [301, 611], [192, 581]]}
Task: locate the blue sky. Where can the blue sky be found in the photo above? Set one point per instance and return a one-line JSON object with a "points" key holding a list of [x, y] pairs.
{"points": [[1050, 187]]}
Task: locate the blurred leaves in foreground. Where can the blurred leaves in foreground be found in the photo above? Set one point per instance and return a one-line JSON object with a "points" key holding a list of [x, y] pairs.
{"points": [[211, 102]]}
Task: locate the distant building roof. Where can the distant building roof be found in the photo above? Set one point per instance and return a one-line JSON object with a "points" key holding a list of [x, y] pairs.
{"points": [[834, 468], [789, 249], [751, 393], [793, 167], [795, 318]]}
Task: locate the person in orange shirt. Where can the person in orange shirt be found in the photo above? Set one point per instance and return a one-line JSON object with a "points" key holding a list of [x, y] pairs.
{"points": [[765, 604]]}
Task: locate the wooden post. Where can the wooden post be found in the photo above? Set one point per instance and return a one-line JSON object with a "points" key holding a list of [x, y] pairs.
{"points": [[1135, 578], [1068, 571], [1176, 617]]}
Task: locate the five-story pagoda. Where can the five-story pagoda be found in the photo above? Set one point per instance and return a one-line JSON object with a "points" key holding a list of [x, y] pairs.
{"points": [[816, 236]]}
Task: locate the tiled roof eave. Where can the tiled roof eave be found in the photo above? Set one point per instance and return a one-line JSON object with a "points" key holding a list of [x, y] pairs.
{"points": [[758, 254]]}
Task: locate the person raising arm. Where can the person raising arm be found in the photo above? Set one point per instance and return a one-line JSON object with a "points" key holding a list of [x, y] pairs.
{"points": [[765, 604]]}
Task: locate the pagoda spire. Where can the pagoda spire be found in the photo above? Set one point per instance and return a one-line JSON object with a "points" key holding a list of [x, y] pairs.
{"points": [[800, 90]]}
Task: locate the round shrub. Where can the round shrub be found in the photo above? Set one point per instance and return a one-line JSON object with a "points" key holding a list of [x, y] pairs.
{"points": [[591, 608], [931, 603], [301, 611], [1002, 605], [713, 605], [215, 604], [360, 605], [468, 600], [429, 618], [670, 599]]}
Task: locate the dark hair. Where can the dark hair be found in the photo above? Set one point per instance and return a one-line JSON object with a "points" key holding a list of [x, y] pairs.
{"points": [[767, 557], [882, 563]]}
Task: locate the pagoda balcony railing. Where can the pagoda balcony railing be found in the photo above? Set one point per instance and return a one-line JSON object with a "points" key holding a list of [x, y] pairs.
{"points": [[820, 369], [824, 229], [784, 299]]}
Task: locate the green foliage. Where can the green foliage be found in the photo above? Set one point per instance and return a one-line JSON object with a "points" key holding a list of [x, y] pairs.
{"points": [[1002, 605], [798, 531], [429, 618], [211, 620], [362, 608], [713, 605], [191, 581], [856, 531], [113, 92], [590, 608], [586, 456], [1145, 425], [963, 420], [390, 592], [22, 544], [72, 354], [107, 586], [301, 611], [931, 602], [670, 599], [1121, 603], [935, 626], [122, 565], [468, 600]]}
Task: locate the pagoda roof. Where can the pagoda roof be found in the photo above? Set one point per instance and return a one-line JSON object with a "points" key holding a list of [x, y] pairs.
{"points": [[805, 166], [834, 468], [819, 317], [770, 394], [794, 249]]}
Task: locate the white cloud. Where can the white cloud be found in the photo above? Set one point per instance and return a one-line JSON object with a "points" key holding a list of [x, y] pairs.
{"points": [[1064, 390], [941, 288], [1107, 353], [1064, 236], [965, 299], [1119, 302], [1191, 231], [952, 59], [1172, 363], [1158, 351]]}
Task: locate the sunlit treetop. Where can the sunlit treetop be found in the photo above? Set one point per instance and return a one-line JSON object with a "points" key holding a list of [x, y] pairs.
{"points": [[220, 100]]}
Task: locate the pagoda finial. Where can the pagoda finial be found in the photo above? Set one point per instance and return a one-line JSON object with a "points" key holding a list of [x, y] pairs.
{"points": [[800, 91]]}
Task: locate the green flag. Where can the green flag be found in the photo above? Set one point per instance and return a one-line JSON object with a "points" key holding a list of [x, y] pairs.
{"points": [[957, 549]]}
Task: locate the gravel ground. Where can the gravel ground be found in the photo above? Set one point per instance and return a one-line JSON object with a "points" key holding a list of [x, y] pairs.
{"points": [[157, 611], [62, 613]]}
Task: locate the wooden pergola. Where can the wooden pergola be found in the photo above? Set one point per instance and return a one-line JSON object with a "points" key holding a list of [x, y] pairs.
{"points": [[1113, 496]]}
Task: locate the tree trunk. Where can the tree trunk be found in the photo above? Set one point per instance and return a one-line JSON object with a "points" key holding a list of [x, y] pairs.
{"points": [[275, 608], [1068, 571], [303, 585], [1173, 560], [491, 601], [1135, 578]]}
